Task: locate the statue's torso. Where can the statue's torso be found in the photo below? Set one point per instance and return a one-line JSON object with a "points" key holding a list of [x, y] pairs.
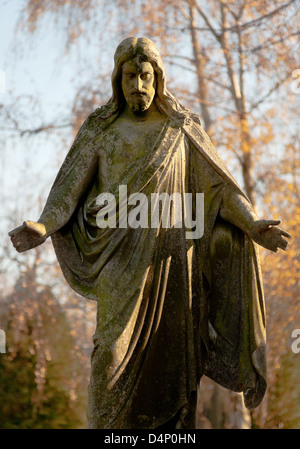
{"points": [[126, 143]]}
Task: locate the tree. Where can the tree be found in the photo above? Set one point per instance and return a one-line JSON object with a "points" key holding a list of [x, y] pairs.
{"points": [[279, 408], [39, 373]]}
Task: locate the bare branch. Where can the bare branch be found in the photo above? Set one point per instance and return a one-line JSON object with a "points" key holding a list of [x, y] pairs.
{"points": [[44, 128], [38, 130], [206, 20], [184, 67], [243, 26], [269, 93], [271, 43], [266, 16], [186, 58]]}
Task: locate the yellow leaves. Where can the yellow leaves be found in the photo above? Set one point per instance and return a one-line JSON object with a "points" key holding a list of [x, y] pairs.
{"points": [[47, 355], [73, 395], [34, 10], [12, 354]]}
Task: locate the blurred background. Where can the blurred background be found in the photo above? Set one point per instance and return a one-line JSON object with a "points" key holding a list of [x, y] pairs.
{"points": [[236, 64]]}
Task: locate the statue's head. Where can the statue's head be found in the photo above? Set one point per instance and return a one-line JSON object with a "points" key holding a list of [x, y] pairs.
{"points": [[138, 59], [138, 73]]}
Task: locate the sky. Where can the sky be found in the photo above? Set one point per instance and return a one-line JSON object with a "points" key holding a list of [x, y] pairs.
{"points": [[30, 72], [30, 68]]}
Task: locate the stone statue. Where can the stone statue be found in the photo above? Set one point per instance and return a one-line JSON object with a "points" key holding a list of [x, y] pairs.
{"points": [[172, 305]]}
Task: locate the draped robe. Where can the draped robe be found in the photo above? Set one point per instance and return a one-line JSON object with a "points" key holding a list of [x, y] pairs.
{"points": [[169, 308]]}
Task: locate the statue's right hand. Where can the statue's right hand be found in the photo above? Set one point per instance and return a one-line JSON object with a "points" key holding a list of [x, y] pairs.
{"points": [[27, 236]]}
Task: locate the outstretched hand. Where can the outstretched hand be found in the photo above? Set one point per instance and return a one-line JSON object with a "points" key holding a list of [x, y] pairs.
{"points": [[267, 234], [27, 236]]}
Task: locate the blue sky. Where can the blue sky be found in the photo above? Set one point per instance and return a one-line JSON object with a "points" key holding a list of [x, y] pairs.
{"points": [[30, 68]]}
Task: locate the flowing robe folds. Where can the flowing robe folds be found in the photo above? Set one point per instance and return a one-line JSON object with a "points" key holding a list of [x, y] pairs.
{"points": [[169, 308]]}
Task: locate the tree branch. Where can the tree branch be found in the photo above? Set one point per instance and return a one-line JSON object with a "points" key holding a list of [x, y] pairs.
{"points": [[184, 67], [271, 43], [206, 20], [33, 131], [268, 94], [243, 26]]}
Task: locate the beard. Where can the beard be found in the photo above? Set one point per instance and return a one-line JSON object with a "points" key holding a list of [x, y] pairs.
{"points": [[138, 107], [139, 103]]}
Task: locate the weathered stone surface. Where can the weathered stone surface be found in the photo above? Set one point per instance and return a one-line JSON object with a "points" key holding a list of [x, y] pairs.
{"points": [[170, 306]]}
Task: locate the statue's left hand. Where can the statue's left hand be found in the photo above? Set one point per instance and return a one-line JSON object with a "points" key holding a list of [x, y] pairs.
{"points": [[27, 236], [267, 234]]}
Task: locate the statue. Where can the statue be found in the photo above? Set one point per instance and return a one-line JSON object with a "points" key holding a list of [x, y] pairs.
{"points": [[172, 305]]}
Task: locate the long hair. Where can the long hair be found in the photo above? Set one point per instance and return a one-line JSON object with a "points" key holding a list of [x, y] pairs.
{"points": [[165, 101]]}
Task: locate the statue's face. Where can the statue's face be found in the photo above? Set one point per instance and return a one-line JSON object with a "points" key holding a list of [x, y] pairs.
{"points": [[138, 84]]}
